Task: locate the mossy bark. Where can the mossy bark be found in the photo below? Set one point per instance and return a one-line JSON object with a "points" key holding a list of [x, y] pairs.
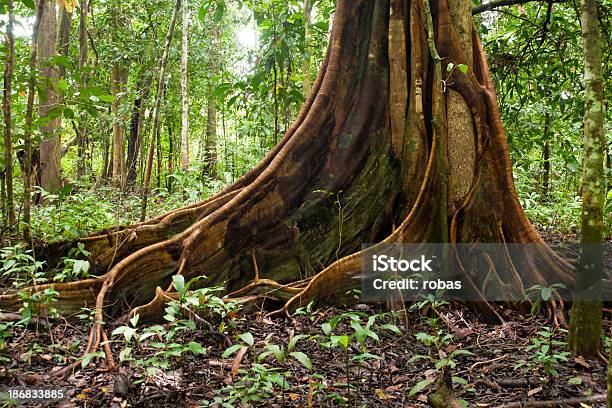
{"points": [[585, 322]]}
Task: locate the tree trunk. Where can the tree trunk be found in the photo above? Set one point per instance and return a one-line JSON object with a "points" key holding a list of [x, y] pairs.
{"points": [[585, 320], [136, 127], [210, 143], [157, 108], [3, 198], [185, 89], [8, 119], [397, 182], [50, 145], [210, 146], [118, 84], [545, 169], [307, 48], [83, 50], [63, 34], [170, 129]]}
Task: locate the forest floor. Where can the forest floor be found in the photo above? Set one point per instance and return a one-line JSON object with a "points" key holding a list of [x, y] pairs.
{"points": [[394, 365]]}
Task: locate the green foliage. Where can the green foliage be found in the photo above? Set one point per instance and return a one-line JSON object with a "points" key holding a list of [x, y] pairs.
{"points": [[19, 267], [182, 317], [546, 352]]}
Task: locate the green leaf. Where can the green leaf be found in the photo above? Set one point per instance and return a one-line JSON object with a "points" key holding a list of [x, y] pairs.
{"points": [[231, 350], [341, 340], [219, 11], [87, 358], [419, 387], [391, 327], [196, 348], [247, 338], [125, 354], [277, 351], [29, 4], [134, 320], [302, 358], [545, 293], [179, 283], [326, 328], [416, 358], [463, 68], [294, 340], [107, 98]]}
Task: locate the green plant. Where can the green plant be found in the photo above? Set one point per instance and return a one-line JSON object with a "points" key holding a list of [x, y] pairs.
{"points": [[73, 268], [255, 385], [546, 352], [19, 267], [538, 294], [164, 349]]}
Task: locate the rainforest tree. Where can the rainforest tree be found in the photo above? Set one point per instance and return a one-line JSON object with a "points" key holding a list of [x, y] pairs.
{"points": [[401, 129]]}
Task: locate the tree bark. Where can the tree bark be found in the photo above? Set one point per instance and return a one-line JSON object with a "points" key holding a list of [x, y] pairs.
{"points": [[586, 319], [50, 145], [185, 88], [393, 187], [8, 119], [83, 51], [118, 86], [135, 141]]}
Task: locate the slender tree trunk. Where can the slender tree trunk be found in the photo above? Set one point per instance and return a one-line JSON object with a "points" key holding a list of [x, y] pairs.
{"points": [[3, 197], [159, 155], [136, 127], [585, 322], [545, 169], [210, 146], [170, 127], [50, 145], [307, 48], [27, 134], [8, 119], [63, 35], [118, 85], [157, 108], [275, 97], [105, 159], [185, 88], [83, 51]]}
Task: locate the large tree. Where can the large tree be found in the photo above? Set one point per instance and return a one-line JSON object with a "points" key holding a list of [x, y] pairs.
{"points": [[408, 149]]}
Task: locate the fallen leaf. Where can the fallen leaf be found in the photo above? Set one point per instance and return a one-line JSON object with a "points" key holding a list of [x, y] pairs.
{"points": [[293, 396], [482, 404], [583, 405], [380, 394], [430, 374], [534, 391], [582, 362], [81, 396], [238, 359]]}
